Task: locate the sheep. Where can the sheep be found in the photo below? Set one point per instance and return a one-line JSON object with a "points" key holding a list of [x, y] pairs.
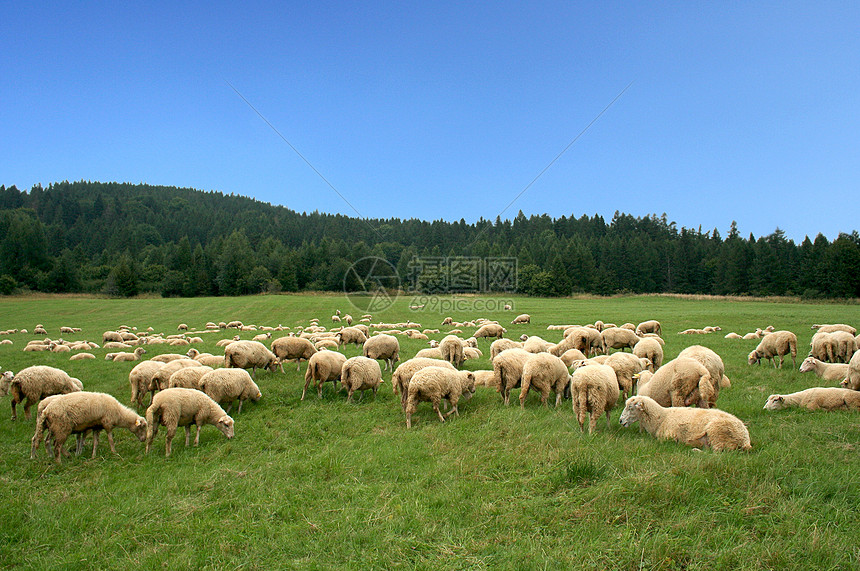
{"points": [[116, 345], [508, 369], [490, 330], [650, 349], [693, 427], [118, 357], [451, 350], [159, 379], [823, 347], [261, 337], [500, 345], [571, 355], [447, 321], [235, 325], [288, 348], [852, 381], [651, 326], [81, 356], [182, 327], [177, 407], [228, 385], [618, 338], [778, 343], [188, 377], [626, 365], [225, 342], [485, 379], [250, 355], [57, 348], [585, 339], [384, 347], [35, 383], [436, 383], [140, 379], [360, 374], [168, 357], [835, 327], [472, 353], [535, 344], [712, 362], [816, 398], [326, 344], [826, 371], [733, 335], [79, 411], [594, 390], [430, 353], [522, 318], [544, 373], [39, 330], [681, 382], [323, 366], [843, 343], [351, 335], [79, 436]]}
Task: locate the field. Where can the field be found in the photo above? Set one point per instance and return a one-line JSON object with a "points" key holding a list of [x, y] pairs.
{"points": [[323, 484]]}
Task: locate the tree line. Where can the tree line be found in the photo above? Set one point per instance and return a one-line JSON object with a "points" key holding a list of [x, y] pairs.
{"points": [[123, 239]]}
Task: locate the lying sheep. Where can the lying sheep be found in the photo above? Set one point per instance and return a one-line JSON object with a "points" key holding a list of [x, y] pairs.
{"points": [[816, 398], [360, 374], [118, 357], [681, 382], [407, 369], [250, 355], [177, 407], [733, 335], [385, 347], [81, 356], [472, 353], [432, 384], [522, 318], [835, 327], [168, 357], [35, 383], [451, 350], [594, 390], [323, 366], [508, 369], [826, 371], [691, 426], [288, 348], [544, 373], [651, 326], [713, 363], [650, 349], [187, 378], [228, 385], [430, 353], [140, 379], [777, 344], [490, 330], [79, 411]]}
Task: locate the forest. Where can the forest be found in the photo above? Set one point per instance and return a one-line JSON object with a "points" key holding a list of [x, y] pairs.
{"points": [[123, 239]]}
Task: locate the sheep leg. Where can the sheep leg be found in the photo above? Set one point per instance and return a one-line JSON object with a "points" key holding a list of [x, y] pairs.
{"points": [[188, 435], [171, 432], [14, 413], [453, 408], [27, 406], [110, 439], [436, 408], [95, 442], [59, 441], [197, 436], [305, 390], [298, 365], [240, 406]]}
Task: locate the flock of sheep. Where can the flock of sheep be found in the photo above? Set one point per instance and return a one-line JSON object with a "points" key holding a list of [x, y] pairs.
{"points": [[190, 388]]}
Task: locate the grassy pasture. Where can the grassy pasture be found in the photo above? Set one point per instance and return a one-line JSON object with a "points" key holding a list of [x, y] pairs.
{"points": [[324, 484]]}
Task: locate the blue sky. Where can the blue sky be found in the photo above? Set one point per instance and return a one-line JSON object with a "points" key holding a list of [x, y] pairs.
{"points": [[737, 111]]}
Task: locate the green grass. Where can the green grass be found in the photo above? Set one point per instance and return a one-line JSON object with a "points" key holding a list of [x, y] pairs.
{"points": [[324, 484]]}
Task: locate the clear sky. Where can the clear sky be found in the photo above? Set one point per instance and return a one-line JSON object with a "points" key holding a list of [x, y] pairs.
{"points": [[737, 111]]}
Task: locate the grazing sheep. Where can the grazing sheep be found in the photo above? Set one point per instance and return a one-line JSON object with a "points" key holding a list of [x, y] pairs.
{"points": [[712, 362], [778, 343], [544, 373], [844, 347], [650, 349], [816, 398], [383, 346], [351, 335], [81, 356], [451, 350], [500, 345], [432, 384], [490, 330], [35, 383], [594, 390], [288, 348], [651, 326], [570, 356], [824, 347], [508, 368], [228, 385], [522, 318], [852, 381], [586, 339], [626, 365], [78, 411], [691, 426], [159, 379], [485, 379], [405, 371], [472, 353], [323, 366], [681, 382], [117, 357], [826, 371], [140, 379], [177, 407], [618, 338], [360, 374], [535, 344], [250, 355], [187, 378], [182, 327]]}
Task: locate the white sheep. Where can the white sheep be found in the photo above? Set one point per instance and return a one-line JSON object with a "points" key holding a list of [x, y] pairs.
{"points": [[250, 355], [385, 347], [177, 407], [168, 357], [35, 383], [651, 326], [835, 327], [360, 374], [691, 426], [351, 335], [118, 357], [451, 350], [78, 411], [81, 356], [777, 344], [407, 369], [594, 391], [681, 382], [432, 384], [852, 381], [188, 377], [817, 398], [618, 338], [288, 348], [626, 366], [508, 369], [323, 366], [522, 318], [430, 353], [490, 330], [535, 344], [570, 356], [159, 379], [650, 349], [140, 379], [544, 373], [712, 362], [228, 385], [826, 371], [500, 345]]}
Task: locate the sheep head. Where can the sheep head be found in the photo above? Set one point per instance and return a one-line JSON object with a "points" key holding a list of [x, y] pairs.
{"points": [[225, 425], [5, 382], [139, 428], [775, 402], [754, 358], [807, 365], [634, 408]]}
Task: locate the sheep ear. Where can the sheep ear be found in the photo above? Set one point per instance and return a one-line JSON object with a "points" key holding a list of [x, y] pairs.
{"points": [[639, 405], [139, 422], [780, 398]]}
